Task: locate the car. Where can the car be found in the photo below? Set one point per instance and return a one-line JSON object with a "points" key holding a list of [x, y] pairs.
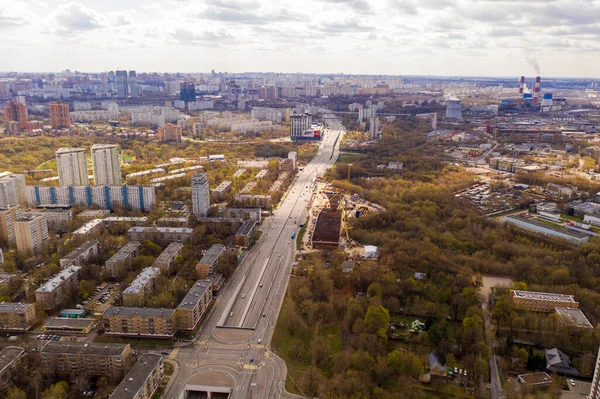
{"points": [[243, 296], [259, 341], [572, 383], [251, 360], [56, 338], [279, 255], [230, 314], [260, 286], [264, 314]]}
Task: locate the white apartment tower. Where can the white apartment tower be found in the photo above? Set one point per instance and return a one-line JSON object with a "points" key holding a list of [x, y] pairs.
{"points": [[72, 167], [106, 164], [299, 123], [200, 195]]}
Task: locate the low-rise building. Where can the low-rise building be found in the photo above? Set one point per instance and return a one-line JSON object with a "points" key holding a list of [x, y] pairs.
{"points": [[222, 189], [91, 214], [10, 358], [80, 255], [245, 234], [16, 316], [56, 290], [122, 259], [91, 228], [573, 317], [534, 379], [243, 213], [208, 263], [69, 325], [139, 322], [195, 304], [542, 301], [142, 381], [550, 231], [141, 288], [253, 201], [167, 257], [159, 235], [91, 359]]}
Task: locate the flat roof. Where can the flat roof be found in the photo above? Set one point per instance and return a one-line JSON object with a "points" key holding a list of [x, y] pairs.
{"points": [[140, 219], [169, 252], [68, 323], [142, 312], [86, 246], [125, 251], [573, 317], [535, 378], [162, 230], [94, 213], [9, 355], [142, 279], [88, 226], [573, 234], [543, 296], [14, 307], [223, 186], [84, 348], [195, 294], [246, 227], [66, 150], [213, 254], [137, 376], [58, 279]]}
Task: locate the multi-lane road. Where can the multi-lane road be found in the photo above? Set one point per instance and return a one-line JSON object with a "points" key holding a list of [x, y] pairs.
{"points": [[234, 339]]}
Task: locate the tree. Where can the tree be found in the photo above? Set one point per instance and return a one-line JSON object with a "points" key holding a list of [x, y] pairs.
{"points": [[15, 393], [377, 320], [56, 391], [523, 356]]}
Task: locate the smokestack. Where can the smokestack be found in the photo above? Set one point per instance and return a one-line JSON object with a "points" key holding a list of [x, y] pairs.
{"points": [[536, 91], [521, 87]]}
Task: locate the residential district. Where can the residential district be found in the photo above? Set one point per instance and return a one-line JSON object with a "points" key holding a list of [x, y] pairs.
{"points": [[151, 223]]}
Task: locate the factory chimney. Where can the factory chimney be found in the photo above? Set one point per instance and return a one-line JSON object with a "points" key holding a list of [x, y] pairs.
{"points": [[536, 91], [521, 87]]}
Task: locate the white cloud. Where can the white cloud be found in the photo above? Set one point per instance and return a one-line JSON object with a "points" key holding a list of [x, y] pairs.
{"points": [[72, 18]]}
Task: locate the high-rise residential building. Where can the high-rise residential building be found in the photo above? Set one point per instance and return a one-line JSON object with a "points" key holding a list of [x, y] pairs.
{"points": [[169, 132], [200, 195], [15, 112], [299, 123], [13, 191], [31, 234], [122, 84], [59, 115], [58, 216], [106, 164], [8, 217], [72, 167], [133, 86], [453, 109], [187, 92]]}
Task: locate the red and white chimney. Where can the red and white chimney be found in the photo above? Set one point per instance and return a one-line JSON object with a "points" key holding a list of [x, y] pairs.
{"points": [[521, 87], [536, 90]]}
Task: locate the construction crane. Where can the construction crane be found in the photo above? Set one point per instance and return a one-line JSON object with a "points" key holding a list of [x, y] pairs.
{"points": [[349, 165]]}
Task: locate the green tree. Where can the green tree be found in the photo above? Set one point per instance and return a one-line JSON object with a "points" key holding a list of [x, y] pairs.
{"points": [[377, 320], [15, 393], [56, 391]]}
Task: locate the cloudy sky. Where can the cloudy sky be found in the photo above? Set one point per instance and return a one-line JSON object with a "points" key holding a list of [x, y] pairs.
{"points": [[438, 37]]}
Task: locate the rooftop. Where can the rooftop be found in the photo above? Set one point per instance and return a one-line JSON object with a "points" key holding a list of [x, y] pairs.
{"points": [[137, 376], [543, 296], [53, 207], [66, 150], [84, 348], [546, 226], [125, 251], [14, 307], [573, 317], [142, 312], [68, 323], [58, 279], [86, 246], [8, 355], [140, 282], [169, 252], [103, 146], [213, 254], [223, 186], [247, 227], [140, 219], [534, 379], [88, 226], [162, 230], [94, 213], [195, 295]]}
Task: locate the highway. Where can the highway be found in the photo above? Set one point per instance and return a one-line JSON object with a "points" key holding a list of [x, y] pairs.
{"points": [[235, 336]]}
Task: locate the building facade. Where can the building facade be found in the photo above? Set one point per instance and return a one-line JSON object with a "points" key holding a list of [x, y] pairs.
{"points": [[159, 235], [139, 322], [17, 316], [141, 288], [169, 132], [208, 263], [299, 123], [542, 301], [31, 234], [15, 112], [200, 195], [106, 165], [10, 358], [195, 304], [122, 259], [59, 115], [56, 290], [167, 257], [72, 167], [142, 381], [58, 217], [80, 255], [8, 217]]}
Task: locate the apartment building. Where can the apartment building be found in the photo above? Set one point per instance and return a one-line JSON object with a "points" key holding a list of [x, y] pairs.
{"points": [[89, 229], [15, 111], [167, 257], [159, 235], [542, 301], [17, 316], [253, 201], [10, 358], [59, 115], [58, 288], [244, 237], [80, 255], [13, 190], [8, 217], [142, 381], [82, 358], [169, 132], [72, 167], [121, 260], [222, 189], [195, 304], [31, 234], [106, 164], [58, 217], [595, 388], [200, 195], [141, 288], [208, 263], [139, 322]]}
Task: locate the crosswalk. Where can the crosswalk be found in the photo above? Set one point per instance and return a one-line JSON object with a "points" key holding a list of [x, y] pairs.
{"points": [[173, 354]]}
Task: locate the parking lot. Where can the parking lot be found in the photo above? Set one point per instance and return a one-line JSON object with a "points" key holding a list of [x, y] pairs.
{"points": [[103, 298]]}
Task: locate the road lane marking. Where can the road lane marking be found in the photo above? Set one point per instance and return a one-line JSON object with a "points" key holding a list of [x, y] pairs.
{"points": [[173, 354]]}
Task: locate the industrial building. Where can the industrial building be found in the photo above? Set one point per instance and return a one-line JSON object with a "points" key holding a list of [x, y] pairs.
{"points": [[453, 109], [88, 358], [121, 260], [542, 301], [139, 322], [142, 381], [80, 255], [195, 304], [572, 237], [208, 263], [17, 316]]}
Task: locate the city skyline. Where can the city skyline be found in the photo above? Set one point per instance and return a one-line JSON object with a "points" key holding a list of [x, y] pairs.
{"points": [[431, 37]]}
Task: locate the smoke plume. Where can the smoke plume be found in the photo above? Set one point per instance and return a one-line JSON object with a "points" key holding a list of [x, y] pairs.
{"points": [[534, 63]]}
